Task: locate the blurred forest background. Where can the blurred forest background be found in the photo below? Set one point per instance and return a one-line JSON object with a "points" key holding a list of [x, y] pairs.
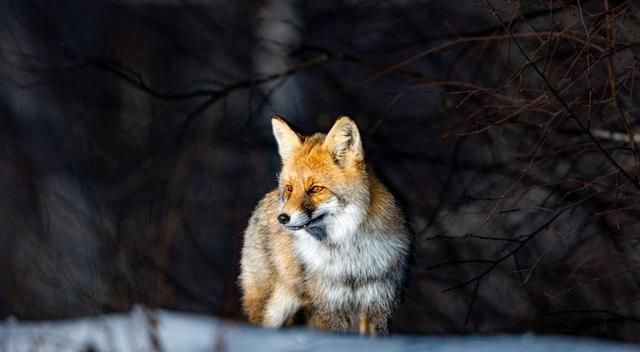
{"points": [[135, 141]]}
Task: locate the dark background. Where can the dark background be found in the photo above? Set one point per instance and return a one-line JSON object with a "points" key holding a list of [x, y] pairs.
{"points": [[135, 141]]}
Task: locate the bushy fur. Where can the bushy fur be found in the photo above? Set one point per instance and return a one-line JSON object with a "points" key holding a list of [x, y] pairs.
{"points": [[339, 261]]}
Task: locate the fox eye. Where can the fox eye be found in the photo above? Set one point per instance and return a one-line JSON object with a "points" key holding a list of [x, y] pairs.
{"points": [[316, 189], [287, 192]]}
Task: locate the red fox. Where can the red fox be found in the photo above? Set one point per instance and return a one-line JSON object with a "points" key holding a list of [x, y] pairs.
{"points": [[329, 246]]}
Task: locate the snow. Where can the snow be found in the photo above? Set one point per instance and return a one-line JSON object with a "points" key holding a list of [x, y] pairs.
{"points": [[160, 330]]}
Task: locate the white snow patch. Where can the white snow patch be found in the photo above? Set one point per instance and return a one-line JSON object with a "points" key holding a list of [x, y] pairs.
{"points": [[160, 330]]}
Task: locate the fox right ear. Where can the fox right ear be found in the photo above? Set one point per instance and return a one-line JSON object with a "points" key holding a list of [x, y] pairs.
{"points": [[344, 142], [288, 140]]}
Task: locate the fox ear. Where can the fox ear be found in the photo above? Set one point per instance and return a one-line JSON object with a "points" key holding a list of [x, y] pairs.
{"points": [[344, 142], [288, 140]]}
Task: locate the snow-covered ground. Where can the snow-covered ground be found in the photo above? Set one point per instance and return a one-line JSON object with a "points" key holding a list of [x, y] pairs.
{"points": [[159, 330]]}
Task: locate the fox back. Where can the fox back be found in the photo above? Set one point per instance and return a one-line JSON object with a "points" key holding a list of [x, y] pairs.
{"points": [[329, 246]]}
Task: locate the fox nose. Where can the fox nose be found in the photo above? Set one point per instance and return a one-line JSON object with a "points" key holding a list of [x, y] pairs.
{"points": [[283, 218]]}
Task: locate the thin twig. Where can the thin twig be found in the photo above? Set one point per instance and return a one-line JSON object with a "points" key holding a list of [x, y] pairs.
{"points": [[564, 104]]}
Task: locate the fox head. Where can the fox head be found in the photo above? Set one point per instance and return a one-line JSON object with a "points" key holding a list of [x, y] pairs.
{"points": [[323, 183]]}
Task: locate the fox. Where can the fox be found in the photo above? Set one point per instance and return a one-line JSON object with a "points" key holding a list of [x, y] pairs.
{"points": [[329, 246]]}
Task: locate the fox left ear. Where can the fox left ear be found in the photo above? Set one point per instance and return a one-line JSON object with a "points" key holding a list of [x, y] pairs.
{"points": [[344, 142], [288, 140]]}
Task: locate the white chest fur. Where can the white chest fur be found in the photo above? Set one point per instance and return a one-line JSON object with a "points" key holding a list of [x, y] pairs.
{"points": [[346, 255], [361, 257]]}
